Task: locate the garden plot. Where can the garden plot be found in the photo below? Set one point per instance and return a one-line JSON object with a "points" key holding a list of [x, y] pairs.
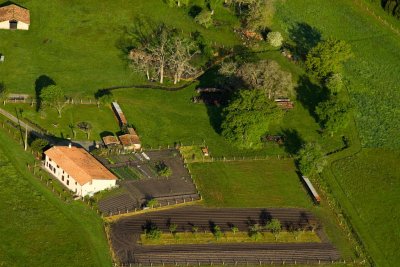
{"points": [[159, 175], [126, 233]]}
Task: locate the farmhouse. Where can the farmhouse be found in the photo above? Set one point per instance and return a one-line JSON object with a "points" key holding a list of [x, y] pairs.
{"points": [[13, 17], [76, 169]]}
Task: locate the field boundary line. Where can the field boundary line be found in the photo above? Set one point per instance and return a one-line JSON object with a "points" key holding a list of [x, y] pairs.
{"points": [[114, 218]]}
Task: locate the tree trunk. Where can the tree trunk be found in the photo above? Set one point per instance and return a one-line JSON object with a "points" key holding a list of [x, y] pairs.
{"points": [[148, 74], [162, 73]]}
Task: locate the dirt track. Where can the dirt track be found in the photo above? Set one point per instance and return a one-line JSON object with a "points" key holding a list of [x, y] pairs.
{"points": [[125, 234]]}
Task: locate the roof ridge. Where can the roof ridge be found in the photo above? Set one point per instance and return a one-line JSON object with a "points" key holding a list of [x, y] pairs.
{"points": [[73, 162]]}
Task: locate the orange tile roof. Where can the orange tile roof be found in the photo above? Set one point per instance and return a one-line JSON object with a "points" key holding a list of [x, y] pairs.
{"points": [[14, 12], [79, 164], [110, 140], [129, 139]]}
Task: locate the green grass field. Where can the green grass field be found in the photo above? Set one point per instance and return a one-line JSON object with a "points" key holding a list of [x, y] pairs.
{"points": [[264, 183], [102, 119], [37, 228], [76, 43], [371, 182]]}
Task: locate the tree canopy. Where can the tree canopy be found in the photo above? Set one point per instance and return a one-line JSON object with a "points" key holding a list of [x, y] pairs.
{"points": [[247, 117], [53, 96], [311, 159], [327, 57], [333, 114]]}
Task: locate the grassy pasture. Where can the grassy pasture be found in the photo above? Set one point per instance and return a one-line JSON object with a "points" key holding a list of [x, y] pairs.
{"points": [[76, 43], [261, 183], [370, 180], [102, 119], [40, 230]]}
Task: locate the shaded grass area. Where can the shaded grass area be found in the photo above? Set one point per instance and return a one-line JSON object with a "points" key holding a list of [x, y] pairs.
{"points": [[372, 184], [264, 183], [78, 44], [227, 237], [40, 229], [102, 119]]}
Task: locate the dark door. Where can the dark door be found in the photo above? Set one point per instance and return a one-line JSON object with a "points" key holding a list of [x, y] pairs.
{"points": [[13, 24]]}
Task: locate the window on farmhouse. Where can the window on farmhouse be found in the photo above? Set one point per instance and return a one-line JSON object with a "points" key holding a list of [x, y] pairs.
{"points": [[67, 182], [62, 178], [54, 170]]}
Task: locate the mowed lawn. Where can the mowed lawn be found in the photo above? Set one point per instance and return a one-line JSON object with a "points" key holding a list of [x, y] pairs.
{"points": [[37, 229], [371, 181], [77, 43], [260, 183], [101, 118]]}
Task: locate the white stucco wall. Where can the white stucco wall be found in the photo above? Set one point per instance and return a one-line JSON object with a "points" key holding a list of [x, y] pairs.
{"points": [[87, 189], [20, 25], [5, 25]]}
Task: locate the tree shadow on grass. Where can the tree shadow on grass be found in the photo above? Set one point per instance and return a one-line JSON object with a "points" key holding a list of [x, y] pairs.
{"points": [[42, 82], [305, 37], [293, 141], [310, 94]]}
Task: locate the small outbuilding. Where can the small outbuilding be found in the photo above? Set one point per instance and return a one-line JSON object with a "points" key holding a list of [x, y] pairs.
{"points": [[13, 17], [110, 141], [130, 142]]}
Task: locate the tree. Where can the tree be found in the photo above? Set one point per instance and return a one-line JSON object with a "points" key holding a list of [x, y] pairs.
{"points": [[311, 159], [182, 52], [38, 145], [327, 57], [275, 39], [142, 62], [3, 92], [105, 99], [333, 114], [153, 232], [259, 15], [158, 48], [268, 76], [85, 127], [53, 96], [334, 83], [204, 18], [152, 203], [255, 231], [163, 170], [217, 232], [275, 227], [72, 127], [247, 118], [172, 228], [234, 230]]}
